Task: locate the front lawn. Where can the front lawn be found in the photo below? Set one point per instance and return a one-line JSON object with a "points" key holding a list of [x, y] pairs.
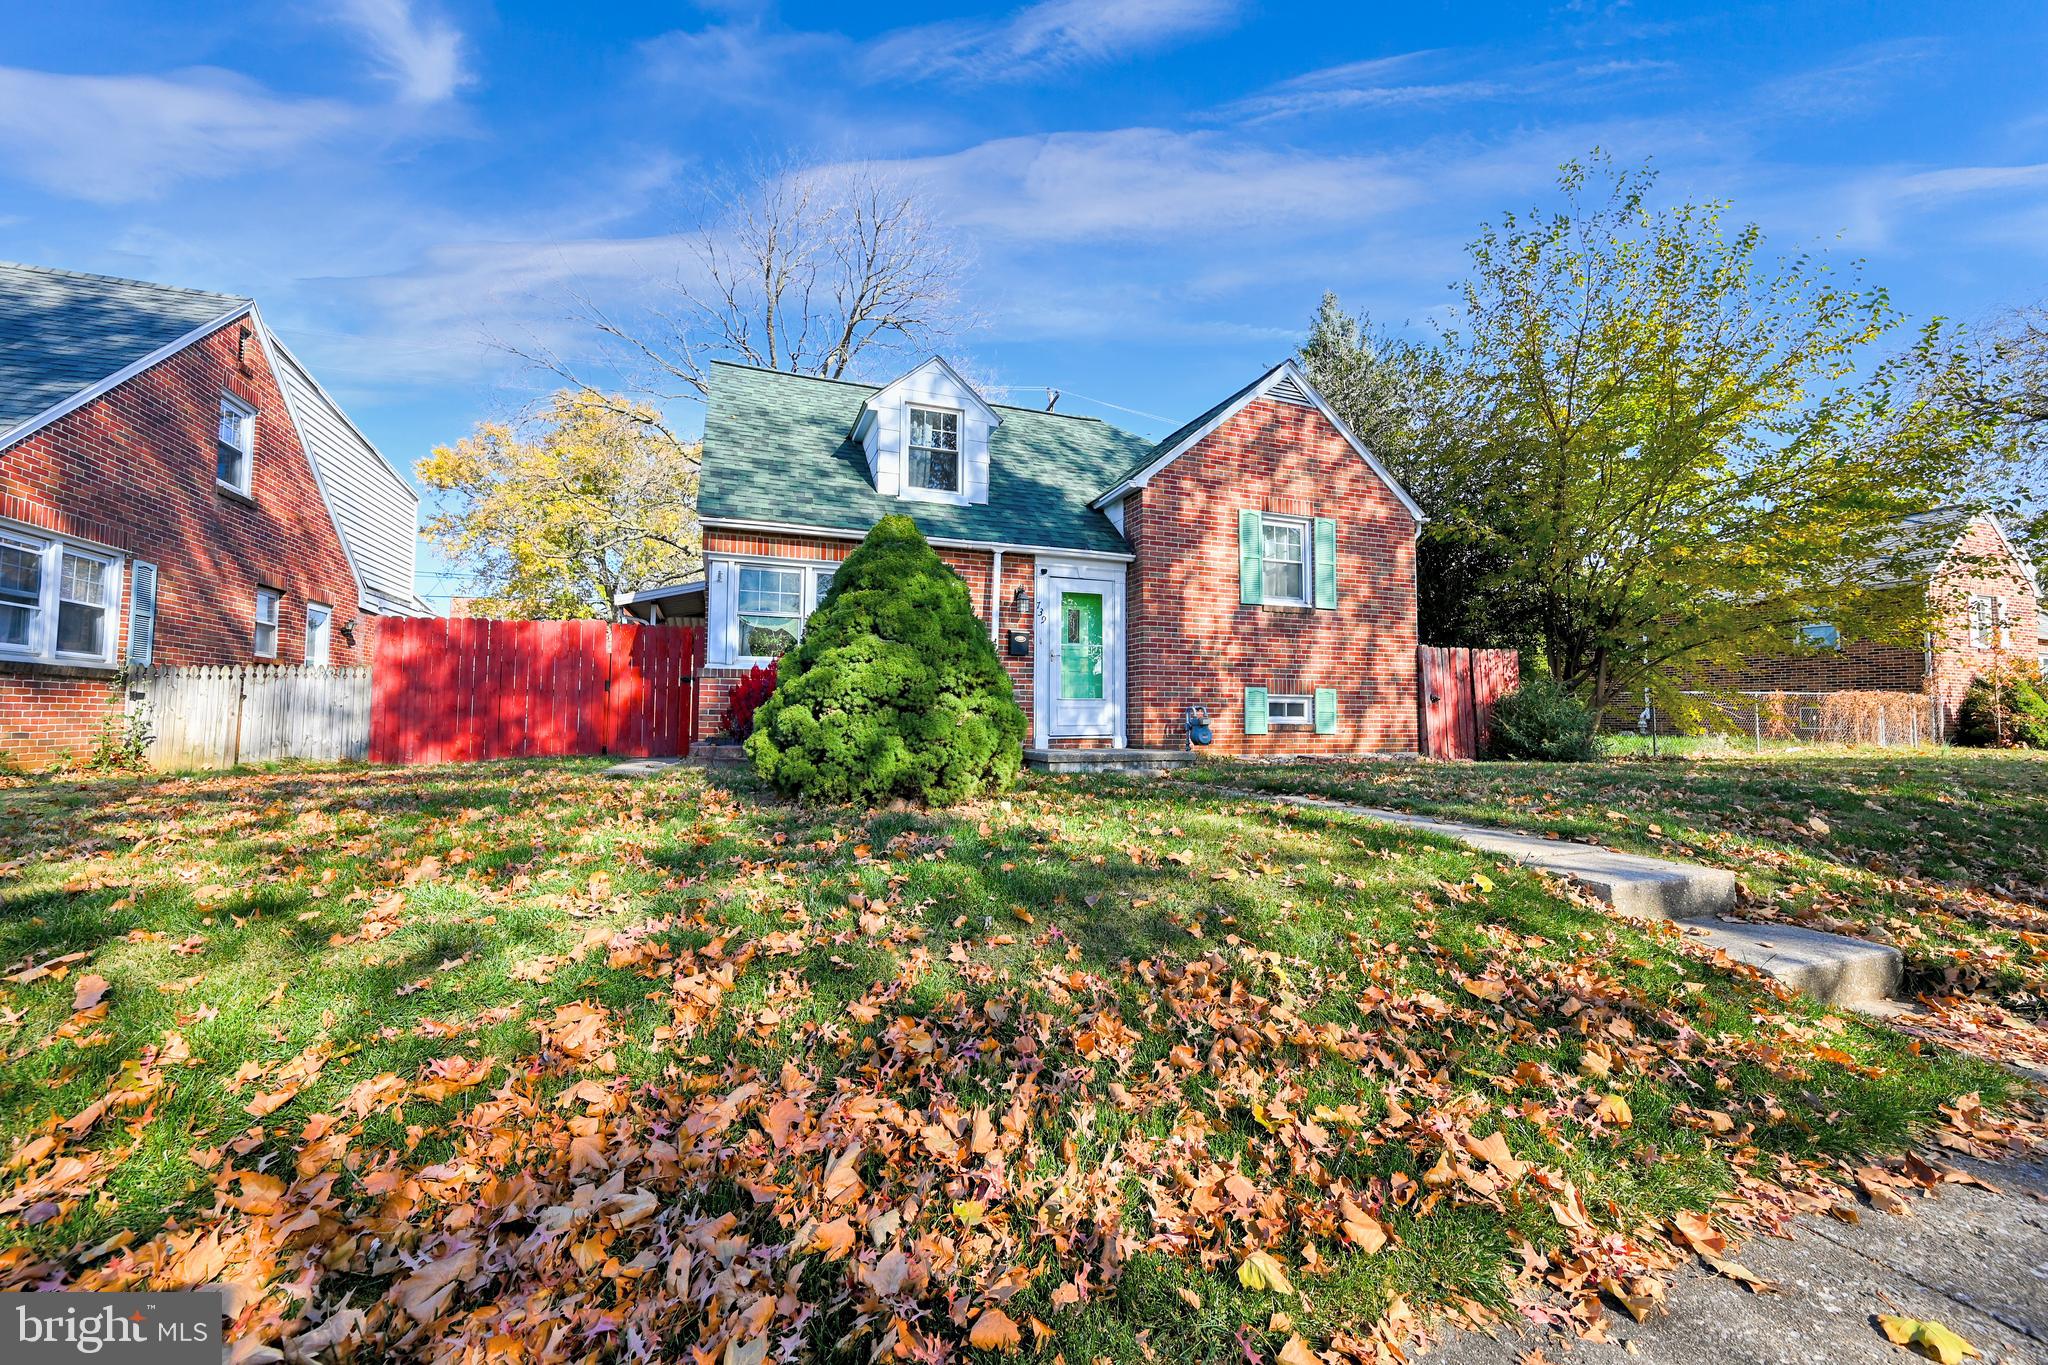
{"points": [[518, 1061], [1944, 854]]}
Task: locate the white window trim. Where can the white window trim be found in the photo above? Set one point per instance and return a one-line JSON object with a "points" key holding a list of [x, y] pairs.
{"points": [[248, 483], [721, 603], [324, 615], [276, 623], [953, 497], [42, 645], [1307, 527], [1307, 704]]}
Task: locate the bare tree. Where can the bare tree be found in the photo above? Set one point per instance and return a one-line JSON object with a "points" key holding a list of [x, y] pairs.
{"points": [[810, 270]]}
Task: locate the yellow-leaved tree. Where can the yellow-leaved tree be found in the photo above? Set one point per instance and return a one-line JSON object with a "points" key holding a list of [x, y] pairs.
{"points": [[556, 516]]}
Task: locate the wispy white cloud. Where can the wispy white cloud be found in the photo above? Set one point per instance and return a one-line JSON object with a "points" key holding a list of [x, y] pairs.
{"points": [[747, 62], [1953, 182], [421, 55], [1435, 78], [1048, 36], [112, 139], [1859, 80], [1147, 182]]}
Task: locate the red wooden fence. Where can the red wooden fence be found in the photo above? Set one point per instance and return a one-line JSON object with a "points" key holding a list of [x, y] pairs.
{"points": [[1459, 688], [455, 691]]}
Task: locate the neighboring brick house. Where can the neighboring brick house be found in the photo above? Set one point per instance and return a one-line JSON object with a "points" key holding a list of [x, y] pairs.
{"points": [[175, 489], [1984, 598], [1258, 561]]}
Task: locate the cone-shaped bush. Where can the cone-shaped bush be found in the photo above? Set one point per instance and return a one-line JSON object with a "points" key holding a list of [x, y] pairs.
{"points": [[894, 690]]}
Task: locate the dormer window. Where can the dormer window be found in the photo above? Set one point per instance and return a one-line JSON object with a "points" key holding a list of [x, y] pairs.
{"points": [[935, 450], [926, 437]]}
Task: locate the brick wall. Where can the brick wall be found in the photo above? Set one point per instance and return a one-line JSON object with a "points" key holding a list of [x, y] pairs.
{"points": [[134, 470], [50, 714], [1858, 666], [1192, 640], [1980, 565]]}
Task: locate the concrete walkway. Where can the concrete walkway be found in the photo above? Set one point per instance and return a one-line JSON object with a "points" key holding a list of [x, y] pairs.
{"points": [[1972, 1260], [1830, 967]]}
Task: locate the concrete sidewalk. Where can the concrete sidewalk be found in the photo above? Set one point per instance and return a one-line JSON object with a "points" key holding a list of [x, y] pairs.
{"points": [[1974, 1261]]}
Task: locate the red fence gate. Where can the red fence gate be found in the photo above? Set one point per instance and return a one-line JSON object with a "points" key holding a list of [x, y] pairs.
{"points": [[1457, 693], [455, 691]]}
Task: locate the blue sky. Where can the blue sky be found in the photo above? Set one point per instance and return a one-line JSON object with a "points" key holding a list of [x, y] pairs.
{"points": [[1153, 193]]}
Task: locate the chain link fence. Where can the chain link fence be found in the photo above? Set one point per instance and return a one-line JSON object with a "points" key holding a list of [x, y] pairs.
{"points": [[1904, 719]]}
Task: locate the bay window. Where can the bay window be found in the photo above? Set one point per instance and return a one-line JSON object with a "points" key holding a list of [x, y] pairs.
{"points": [[56, 600]]}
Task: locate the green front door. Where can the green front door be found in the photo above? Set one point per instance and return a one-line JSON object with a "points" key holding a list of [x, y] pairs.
{"points": [[1081, 677]]}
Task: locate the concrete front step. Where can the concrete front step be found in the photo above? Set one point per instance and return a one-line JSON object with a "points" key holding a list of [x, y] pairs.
{"points": [[643, 767], [1652, 888], [1831, 968]]}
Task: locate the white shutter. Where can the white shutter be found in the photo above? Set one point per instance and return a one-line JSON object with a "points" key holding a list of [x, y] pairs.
{"points": [[141, 614]]}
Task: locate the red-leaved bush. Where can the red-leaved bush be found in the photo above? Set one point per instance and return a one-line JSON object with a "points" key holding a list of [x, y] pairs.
{"points": [[748, 693]]}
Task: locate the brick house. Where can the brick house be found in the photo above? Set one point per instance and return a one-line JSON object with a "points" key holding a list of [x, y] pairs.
{"points": [[1984, 598], [1258, 561], [175, 488]]}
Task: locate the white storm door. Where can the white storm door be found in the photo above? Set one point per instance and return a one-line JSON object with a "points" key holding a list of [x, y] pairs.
{"points": [[1080, 631]]}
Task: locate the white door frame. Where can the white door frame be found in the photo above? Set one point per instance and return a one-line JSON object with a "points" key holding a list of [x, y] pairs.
{"points": [[1090, 576]]}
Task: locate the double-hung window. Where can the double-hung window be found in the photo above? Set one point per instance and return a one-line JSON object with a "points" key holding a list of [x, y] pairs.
{"points": [[935, 450], [235, 452], [265, 641], [770, 609], [1984, 622], [770, 603], [1286, 551], [56, 600]]}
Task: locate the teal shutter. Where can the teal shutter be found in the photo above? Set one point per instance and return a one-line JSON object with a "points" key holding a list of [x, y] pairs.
{"points": [[1326, 563], [1255, 707], [1326, 710], [1251, 560]]}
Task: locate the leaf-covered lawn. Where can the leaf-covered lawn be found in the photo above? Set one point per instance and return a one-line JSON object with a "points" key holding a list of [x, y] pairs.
{"points": [[1945, 856], [514, 1059]]}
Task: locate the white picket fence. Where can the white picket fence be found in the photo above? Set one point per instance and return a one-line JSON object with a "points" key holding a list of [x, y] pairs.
{"points": [[216, 716]]}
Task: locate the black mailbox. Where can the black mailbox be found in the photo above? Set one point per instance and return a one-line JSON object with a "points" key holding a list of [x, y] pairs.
{"points": [[1020, 643]]}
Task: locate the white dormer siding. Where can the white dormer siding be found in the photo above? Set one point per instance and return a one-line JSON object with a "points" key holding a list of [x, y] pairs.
{"points": [[885, 426]]}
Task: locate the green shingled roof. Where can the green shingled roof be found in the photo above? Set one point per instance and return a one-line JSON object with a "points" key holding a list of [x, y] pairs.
{"points": [[779, 447]]}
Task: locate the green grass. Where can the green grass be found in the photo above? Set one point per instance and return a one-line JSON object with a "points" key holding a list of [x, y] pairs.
{"points": [[1944, 853], [1162, 985]]}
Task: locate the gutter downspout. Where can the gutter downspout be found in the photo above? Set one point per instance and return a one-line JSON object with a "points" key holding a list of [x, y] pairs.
{"points": [[995, 603]]}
